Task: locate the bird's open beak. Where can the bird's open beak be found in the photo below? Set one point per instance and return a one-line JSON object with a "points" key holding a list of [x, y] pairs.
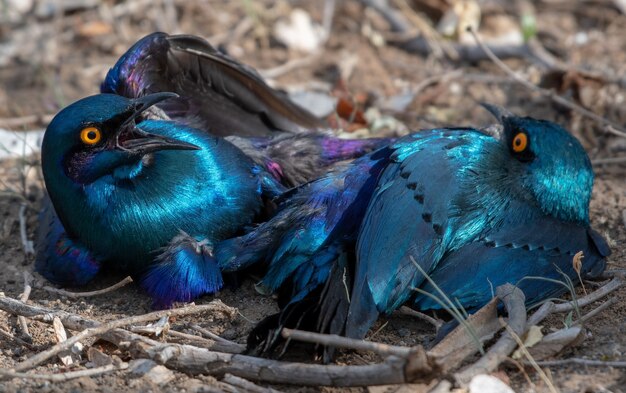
{"points": [[134, 140]]}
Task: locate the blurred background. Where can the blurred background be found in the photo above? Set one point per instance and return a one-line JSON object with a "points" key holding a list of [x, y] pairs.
{"points": [[386, 65]]}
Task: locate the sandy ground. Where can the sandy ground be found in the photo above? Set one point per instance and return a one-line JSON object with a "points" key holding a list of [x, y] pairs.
{"points": [[73, 51]]}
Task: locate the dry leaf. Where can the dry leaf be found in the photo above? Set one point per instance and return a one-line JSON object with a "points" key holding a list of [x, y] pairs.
{"points": [[533, 337], [577, 263], [61, 335]]}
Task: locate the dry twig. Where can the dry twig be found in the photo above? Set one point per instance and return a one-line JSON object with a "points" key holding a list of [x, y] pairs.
{"points": [[246, 385], [547, 93], [16, 122], [26, 243], [404, 310], [333, 340], [224, 346], [594, 296], [513, 299], [34, 361], [69, 294], [584, 362], [21, 320], [194, 360], [63, 377]]}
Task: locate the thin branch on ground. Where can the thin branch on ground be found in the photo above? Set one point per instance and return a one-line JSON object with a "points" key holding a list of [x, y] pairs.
{"points": [[210, 334], [246, 385], [228, 346], [26, 243], [23, 121], [596, 311], [291, 65], [584, 362], [594, 296], [193, 360], [21, 320], [334, 340], [63, 377], [69, 294], [550, 307], [547, 93], [609, 160], [34, 361], [513, 299], [404, 310]]}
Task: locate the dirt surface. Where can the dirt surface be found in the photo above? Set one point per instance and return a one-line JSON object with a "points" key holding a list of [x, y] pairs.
{"points": [[69, 52]]}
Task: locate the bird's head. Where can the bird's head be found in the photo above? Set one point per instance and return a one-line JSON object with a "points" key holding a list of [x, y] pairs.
{"points": [[98, 135], [557, 171]]}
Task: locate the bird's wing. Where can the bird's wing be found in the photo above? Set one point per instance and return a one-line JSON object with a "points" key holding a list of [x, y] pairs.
{"points": [[413, 218], [294, 159], [217, 93], [518, 254]]}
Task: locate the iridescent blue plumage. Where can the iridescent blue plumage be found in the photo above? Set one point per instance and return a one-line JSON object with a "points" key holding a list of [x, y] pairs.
{"points": [[127, 197], [472, 210]]}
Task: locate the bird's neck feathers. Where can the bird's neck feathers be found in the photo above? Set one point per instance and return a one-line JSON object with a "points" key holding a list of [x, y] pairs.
{"points": [[561, 189]]}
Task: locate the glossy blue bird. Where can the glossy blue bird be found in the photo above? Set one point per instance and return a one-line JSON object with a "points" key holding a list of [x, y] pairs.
{"points": [[226, 98], [147, 197], [470, 209], [216, 97]]}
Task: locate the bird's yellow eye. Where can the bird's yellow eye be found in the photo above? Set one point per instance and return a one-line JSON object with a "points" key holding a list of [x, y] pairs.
{"points": [[90, 135], [520, 142]]}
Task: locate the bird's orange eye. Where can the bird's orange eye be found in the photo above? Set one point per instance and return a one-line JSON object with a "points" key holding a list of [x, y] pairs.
{"points": [[520, 142], [90, 135]]}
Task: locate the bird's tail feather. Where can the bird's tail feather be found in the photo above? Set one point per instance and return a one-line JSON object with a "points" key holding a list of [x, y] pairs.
{"points": [[319, 307]]}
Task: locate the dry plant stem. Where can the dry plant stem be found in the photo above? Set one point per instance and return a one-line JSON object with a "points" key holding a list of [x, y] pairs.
{"points": [[609, 160], [69, 294], [34, 361], [193, 360], [334, 340], [27, 244], [542, 313], [584, 362], [549, 307], [532, 361], [70, 321], [594, 296], [596, 311], [23, 121], [513, 299], [404, 310], [293, 64], [228, 347], [28, 279], [62, 377], [547, 93], [210, 334], [246, 385]]}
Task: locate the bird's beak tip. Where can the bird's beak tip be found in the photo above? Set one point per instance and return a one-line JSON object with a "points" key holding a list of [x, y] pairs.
{"points": [[497, 111]]}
